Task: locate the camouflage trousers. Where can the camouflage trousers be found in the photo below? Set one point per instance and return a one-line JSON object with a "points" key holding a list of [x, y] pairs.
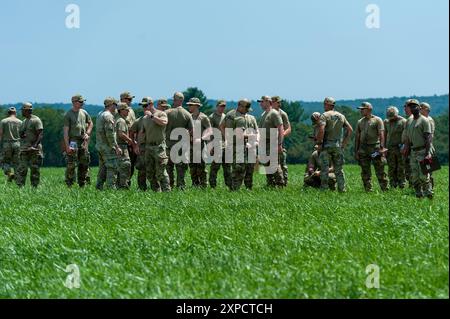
{"points": [[420, 181], [315, 182], [133, 162], [215, 167], [29, 160], [79, 159], [142, 169], [181, 169], [365, 161], [284, 168], [407, 161], [156, 167], [333, 154], [123, 168], [274, 179], [9, 158], [108, 168], [396, 167], [242, 172]]}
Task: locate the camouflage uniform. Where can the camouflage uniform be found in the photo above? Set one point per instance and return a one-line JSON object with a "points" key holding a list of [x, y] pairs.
{"points": [[178, 117], [311, 179], [415, 131], [216, 120], [130, 119], [272, 120], [407, 159], [124, 162], [368, 131], [77, 123], [29, 158], [394, 128], [241, 172], [283, 155], [198, 170], [106, 145], [332, 150], [156, 158], [9, 156], [140, 160]]}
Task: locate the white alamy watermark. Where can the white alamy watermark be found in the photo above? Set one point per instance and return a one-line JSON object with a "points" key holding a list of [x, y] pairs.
{"points": [[373, 18], [73, 279], [373, 276], [73, 17]]}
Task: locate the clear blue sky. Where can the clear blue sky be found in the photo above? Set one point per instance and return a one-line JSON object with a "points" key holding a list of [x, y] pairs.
{"points": [[303, 50]]}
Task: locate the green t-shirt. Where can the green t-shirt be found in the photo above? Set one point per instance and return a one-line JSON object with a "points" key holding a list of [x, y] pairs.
{"points": [[432, 124], [11, 129], [285, 118], [394, 131], [29, 129], [106, 130], [272, 119], [416, 129], [77, 122], [334, 122], [216, 119], [153, 133], [369, 130], [121, 127], [177, 118], [203, 120], [137, 128]]}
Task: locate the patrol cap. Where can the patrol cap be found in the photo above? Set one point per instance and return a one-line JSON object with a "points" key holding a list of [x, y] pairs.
{"points": [[126, 95], [194, 101], [412, 103], [391, 112], [221, 103], [265, 98], [122, 106], [425, 106], [78, 98], [12, 110], [246, 103], [109, 101], [146, 101], [315, 116], [276, 99], [365, 106], [178, 96], [27, 106], [329, 100]]}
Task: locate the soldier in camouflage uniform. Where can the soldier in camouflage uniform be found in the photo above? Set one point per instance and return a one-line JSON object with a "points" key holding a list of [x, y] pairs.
{"points": [[330, 147], [276, 104], [271, 119], [405, 154], [163, 105], [312, 172], [216, 120], [10, 143], [139, 140], [369, 147], [125, 143], [245, 127], [154, 132], [425, 110], [107, 147], [77, 129], [394, 126], [127, 97], [419, 139], [178, 118], [201, 132], [31, 154]]}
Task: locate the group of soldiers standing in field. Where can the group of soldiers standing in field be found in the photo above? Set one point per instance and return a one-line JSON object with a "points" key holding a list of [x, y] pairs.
{"points": [[146, 144], [402, 144]]}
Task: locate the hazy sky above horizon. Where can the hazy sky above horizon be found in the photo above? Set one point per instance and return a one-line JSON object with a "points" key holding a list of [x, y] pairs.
{"points": [[300, 50]]}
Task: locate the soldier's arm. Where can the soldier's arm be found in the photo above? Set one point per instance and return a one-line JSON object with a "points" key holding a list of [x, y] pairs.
{"points": [[40, 135], [428, 142], [320, 135], [90, 126], [381, 135], [280, 134], [66, 137], [161, 121], [208, 132], [110, 134], [357, 141], [348, 133]]}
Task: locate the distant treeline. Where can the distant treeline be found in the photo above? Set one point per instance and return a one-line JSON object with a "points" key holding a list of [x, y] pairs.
{"points": [[299, 144]]}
